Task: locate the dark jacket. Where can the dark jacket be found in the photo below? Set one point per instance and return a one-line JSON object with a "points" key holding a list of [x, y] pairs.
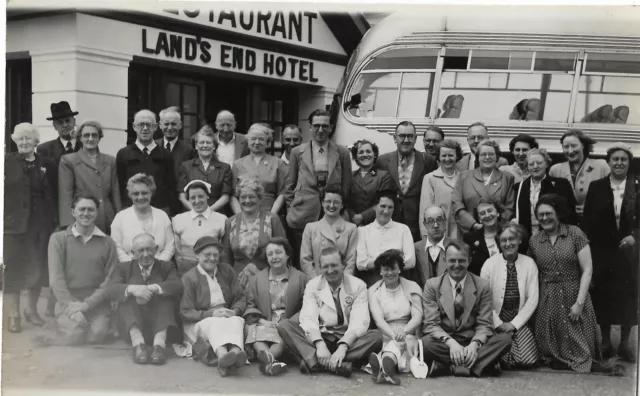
{"points": [[163, 273], [55, 150], [218, 175], [17, 193], [182, 151], [159, 164], [259, 296], [196, 299], [479, 250], [364, 191]]}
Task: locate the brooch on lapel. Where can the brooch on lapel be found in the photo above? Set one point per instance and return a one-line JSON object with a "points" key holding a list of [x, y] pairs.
{"points": [[43, 169], [373, 172], [589, 169], [348, 300], [476, 243], [339, 230], [265, 163], [553, 183]]}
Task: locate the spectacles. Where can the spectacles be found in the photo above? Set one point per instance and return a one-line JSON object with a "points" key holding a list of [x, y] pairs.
{"points": [[432, 141], [142, 125], [405, 137], [321, 126], [432, 222]]}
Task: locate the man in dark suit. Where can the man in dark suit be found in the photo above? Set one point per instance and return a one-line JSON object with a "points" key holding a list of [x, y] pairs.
{"points": [[407, 168], [145, 289], [64, 122], [458, 322], [170, 125], [145, 156], [476, 133], [232, 146], [430, 260]]}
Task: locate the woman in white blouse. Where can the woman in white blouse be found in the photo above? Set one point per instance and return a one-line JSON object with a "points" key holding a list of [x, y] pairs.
{"points": [[514, 284], [381, 235], [142, 218], [190, 226]]}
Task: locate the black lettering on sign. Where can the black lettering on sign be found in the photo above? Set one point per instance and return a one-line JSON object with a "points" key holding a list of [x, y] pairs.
{"points": [[211, 16], [175, 46], [205, 56], [145, 48], [225, 55], [237, 58], [191, 48], [278, 25], [293, 62], [244, 24], [264, 19], [162, 45], [228, 15], [310, 17], [191, 13], [250, 60], [311, 77], [295, 25], [303, 71], [268, 64], [281, 66]]}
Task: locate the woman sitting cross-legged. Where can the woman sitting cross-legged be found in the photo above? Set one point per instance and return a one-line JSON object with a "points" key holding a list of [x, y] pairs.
{"points": [[514, 283], [396, 307], [275, 293], [211, 308]]}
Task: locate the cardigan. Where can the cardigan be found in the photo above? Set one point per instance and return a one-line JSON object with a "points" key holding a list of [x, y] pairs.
{"points": [[259, 297], [126, 226]]}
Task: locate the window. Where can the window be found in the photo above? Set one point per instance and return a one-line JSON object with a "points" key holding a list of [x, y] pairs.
{"points": [[186, 96]]}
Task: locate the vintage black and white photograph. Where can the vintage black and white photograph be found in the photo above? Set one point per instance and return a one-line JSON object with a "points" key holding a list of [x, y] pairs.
{"points": [[320, 199]]}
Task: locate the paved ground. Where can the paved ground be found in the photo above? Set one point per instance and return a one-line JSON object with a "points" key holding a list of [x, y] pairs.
{"points": [[29, 369]]}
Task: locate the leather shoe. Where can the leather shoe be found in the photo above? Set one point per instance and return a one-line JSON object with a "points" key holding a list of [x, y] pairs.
{"points": [[344, 370], [140, 354], [305, 369], [157, 355], [439, 369], [14, 325], [625, 354], [34, 319]]}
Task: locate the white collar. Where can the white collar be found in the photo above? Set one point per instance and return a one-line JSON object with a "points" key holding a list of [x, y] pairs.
{"points": [[206, 214], [428, 244], [454, 283], [284, 158], [149, 147], [620, 186], [172, 143], [65, 141], [380, 226], [317, 145], [148, 269], [232, 141], [96, 232]]}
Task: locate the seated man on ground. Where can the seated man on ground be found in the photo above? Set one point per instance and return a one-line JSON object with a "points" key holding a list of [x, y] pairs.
{"points": [[146, 289], [458, 322], [333, 331], [82, 261]]}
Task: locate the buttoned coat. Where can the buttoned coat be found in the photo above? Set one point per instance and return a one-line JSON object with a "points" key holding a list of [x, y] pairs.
{"points": [[439, 311], [463, 164], [470, 189], [78, 174], [55, 150], [182, 151], [259, 294], [407, 205], [163, 273], [218, 174], [364, 191], [319, 235], [319, 309], [302, 193], [438, 190], [424, 271], [591, 170]]}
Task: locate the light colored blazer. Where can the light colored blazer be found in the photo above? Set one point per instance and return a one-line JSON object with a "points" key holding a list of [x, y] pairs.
{"points": [[302, 193], [495, 271], [439, 312], [318, 235], [592, 170], [319, 310], [463, 164], [470, 189], [423, 268], [271, 172], [126, 226], [78, 174], [438, 190]]}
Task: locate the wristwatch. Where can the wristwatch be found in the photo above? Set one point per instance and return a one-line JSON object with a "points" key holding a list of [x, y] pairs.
{"points": [[445, 339], [480, 343]]}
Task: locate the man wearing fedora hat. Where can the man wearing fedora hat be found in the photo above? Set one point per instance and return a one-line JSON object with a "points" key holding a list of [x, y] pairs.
{"points": [[64, 122]]}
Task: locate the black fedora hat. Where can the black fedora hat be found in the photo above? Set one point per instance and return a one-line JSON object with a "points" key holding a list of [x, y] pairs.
{"points": [[61, 110]]}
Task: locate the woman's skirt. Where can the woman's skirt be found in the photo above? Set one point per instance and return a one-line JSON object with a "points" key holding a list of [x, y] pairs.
{"points": [[524, 351], [398, 349], [217, 331]]}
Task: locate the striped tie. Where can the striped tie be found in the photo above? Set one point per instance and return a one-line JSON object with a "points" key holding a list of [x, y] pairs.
{"points": [[457, 305]]}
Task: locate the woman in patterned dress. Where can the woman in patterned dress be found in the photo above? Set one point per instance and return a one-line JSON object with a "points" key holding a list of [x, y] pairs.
{"points": [[248, 232], [565, 324], [396, 307], [514, 283], [275, 293]]}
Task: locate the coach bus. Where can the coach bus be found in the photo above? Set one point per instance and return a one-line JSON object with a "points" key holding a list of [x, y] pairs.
{"points": [[518, 69]]}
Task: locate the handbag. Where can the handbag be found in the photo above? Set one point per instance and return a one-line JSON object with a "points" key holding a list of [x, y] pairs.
{"points": [[418, 367]]}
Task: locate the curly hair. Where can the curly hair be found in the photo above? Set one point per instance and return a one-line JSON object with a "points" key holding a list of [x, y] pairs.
{"points": [[142, 178], [279, 241], [490, 143], [92, 123], [541, 152], [356, 146], [389, 259], [525, 138], [251, 183], [453, 145], [557, 202], [487, 201], [207, 131], [587, 141]]}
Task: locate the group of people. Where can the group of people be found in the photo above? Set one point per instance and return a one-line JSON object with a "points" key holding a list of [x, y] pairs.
{"points": [[488, 265]]}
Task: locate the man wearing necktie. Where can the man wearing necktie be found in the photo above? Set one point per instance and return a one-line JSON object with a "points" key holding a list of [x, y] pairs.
{"points": [[458, 320], [146, 290], [476, 133], [407, 167], [333, 329], [170, 124], [64, 122]]}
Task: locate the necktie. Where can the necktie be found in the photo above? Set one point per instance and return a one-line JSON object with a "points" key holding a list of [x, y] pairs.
{"points": [[69, 147], [145, 152], [476, 162], [457, 305], [321, 150], [169, 146], [145, 274], [336, 300]]}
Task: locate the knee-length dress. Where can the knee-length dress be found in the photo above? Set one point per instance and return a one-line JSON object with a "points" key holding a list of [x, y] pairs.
{"points": [[558, 339]]}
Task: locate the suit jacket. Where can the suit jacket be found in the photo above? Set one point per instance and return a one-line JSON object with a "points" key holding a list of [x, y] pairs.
{"points": [[479, 250], [470, 189], [318, 235], [163, 273], [196, 297], [407, 205], [55, 150], [241, 146], [302, 192], [259, 295], [438, 190], [364, 191], [463, 164], [550, 184], [424, 271], [182, 151], [319, 309], [17, 190], [78, 174], [592, 170], [159, 164], [439, 313], [218, 175]]}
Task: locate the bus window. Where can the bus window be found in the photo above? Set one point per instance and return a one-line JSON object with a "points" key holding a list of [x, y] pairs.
{"points": [[405, 58], [414, 95], [609, 90], [374, 95]]}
